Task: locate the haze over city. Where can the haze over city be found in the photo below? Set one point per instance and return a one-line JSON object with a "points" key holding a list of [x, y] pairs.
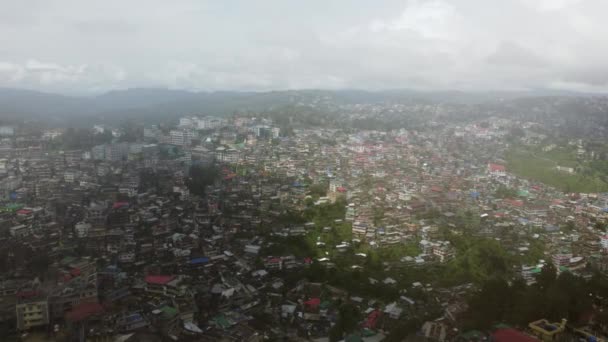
{"points": [[81, 47], [323, 171]]}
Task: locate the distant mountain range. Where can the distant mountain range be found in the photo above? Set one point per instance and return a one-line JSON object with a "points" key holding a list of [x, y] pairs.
{"points": [[164, 104]]}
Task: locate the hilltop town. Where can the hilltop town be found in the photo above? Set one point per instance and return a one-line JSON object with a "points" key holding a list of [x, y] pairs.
{"points": [[243, 228]]}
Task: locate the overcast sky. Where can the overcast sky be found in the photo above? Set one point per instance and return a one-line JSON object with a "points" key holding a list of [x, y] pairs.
{"points": [[80, 46]]}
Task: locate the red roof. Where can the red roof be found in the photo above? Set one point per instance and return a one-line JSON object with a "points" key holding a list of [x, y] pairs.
{"points": [[159, 279], [24, 212], [75, 272], [28, 294], [371, 319], [84, 311], [515, 203], [511, 335], [496, 167], [120, 205], [313, 302]]}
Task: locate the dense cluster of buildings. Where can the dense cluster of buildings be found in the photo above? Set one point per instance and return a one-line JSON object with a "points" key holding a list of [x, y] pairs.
{"points": [[112, 241]]}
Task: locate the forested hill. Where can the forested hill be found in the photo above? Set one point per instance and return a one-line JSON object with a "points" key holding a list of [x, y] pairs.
{"points": [[165, 104]]}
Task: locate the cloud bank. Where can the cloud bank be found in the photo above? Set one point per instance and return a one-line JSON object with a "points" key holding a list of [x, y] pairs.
{"points": [[89, 47]]}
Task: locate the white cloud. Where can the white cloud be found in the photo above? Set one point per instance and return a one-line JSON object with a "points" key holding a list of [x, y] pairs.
{"points": [[33, 73], [10, 72], [550, 5], [69, 45], [434, 19]]}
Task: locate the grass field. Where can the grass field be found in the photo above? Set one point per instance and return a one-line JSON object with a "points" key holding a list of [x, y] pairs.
{"points": [[538, 165]]}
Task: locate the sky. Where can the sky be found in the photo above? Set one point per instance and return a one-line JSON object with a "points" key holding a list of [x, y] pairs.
{"points": [[88, 47]]}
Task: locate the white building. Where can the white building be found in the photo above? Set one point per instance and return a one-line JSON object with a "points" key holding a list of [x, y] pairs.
{"points": [[7, 130], [604, 241], [181, 137], [32, 314], [82, 229], [186, 122], [209, 122]]}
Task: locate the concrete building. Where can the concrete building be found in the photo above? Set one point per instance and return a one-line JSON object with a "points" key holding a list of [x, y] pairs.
{"points": [[32, 314]]}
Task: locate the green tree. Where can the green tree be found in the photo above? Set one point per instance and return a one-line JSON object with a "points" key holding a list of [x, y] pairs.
{"points": [[200, 177], [491, 304], [131, 132], [547, 277], [348, 317]]}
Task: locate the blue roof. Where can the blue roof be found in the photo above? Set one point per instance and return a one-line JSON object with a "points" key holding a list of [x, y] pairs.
{"points": [[551, 228], [133, 318], [201, 260]]}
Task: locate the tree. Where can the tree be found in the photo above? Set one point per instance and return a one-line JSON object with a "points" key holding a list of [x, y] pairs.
{"points": [[318, 190], [104, 137], [39, 264], [348, 317], [131, 132], [490, 305], [504, 192], [336, 332], [546, 277], [200, 177]]}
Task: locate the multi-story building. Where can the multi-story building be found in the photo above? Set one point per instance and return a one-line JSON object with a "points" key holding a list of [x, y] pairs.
{"points": [[359, 228], [110, 152], [181, 137], [32, 313], [209, 122], [561, 259], [165, 285], [117, 152], [98, 152], [604, 242], [150, 155], [444, 251], [152, 133], [273, 263], [186, 122]]}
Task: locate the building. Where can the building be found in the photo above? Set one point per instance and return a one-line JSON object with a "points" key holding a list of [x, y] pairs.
{"points": [[497, 169], [165, 285], [444, 251], [186, 122], [32, 313], [209, 122], [181, 137], [152, 133], [562, 259], [7, 130], [604, 242], [110, 152], [547, 331], [273, 263]]}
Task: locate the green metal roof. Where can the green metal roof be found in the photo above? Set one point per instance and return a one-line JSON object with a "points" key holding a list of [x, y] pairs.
{"points": [[168, 311]]}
